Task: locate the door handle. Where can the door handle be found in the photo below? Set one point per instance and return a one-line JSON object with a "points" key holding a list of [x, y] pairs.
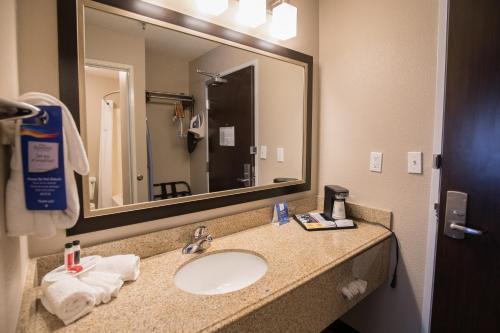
{"points": [[241, 180], [455, 219], [465, 230]]}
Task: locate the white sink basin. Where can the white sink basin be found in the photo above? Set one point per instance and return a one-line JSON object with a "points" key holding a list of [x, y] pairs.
{"points": [[220, 273]]}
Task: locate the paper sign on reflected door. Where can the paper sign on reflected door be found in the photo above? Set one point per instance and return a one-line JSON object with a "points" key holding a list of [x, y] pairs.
{"points": [[226, 136]]}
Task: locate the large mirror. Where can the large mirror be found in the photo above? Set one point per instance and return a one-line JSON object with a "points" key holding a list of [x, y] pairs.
{"points": [[180, 115], [173, 115]]}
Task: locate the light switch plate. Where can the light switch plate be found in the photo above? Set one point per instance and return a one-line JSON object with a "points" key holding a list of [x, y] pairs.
{"points": [[376, 161], [280, 154], [415, 162], [263, 152]]}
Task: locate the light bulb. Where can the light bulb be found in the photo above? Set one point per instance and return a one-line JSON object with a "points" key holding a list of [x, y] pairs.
{"points": [[252, 13], [284, 23], [212, 7]]}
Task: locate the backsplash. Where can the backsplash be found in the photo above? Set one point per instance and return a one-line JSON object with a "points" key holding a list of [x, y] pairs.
{"points": [[365, 213]]}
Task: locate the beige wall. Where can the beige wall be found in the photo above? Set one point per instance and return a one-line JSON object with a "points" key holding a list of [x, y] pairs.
{"points": [[378, 62], [39, 72], [279, 109], [13, 250], [171, 159]]}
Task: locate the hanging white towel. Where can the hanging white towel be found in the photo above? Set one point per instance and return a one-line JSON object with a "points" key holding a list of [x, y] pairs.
{"points": [[21, 221], [105, 181]]}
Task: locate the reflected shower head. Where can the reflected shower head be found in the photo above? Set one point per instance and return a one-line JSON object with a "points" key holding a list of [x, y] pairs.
{"points": [[216, 81], [215, 78]]}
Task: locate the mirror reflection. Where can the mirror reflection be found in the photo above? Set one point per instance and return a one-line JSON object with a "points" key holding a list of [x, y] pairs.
{"points": [[172, 115]]}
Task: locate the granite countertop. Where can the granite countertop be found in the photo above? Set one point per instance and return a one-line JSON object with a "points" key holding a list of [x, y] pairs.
{"points": [[153, 302]]}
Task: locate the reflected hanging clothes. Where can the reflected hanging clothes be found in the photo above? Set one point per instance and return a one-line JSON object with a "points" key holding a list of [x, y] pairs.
{"points": [[105, 179]]}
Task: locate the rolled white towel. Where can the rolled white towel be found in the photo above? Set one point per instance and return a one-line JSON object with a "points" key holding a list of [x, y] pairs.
{"points": [[104, 285], [127, 266], [69, 299]]}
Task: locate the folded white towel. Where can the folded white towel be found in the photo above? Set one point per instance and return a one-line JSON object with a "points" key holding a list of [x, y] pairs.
{"points": [[69, 299], [43, 224], [127, 266], [104, 285]]}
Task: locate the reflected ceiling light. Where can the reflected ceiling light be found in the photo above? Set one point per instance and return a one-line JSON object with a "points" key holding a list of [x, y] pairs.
{"points": [[212, 7], [284, 23], [252, 13]]}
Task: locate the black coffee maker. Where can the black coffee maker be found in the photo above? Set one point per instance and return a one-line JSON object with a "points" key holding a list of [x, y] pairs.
{"points": [[334, 205]]}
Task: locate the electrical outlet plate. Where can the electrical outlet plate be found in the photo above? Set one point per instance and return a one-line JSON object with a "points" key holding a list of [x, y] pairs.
{"points": [[415, 162], [280, 154], [376, 161], [263, 152]]}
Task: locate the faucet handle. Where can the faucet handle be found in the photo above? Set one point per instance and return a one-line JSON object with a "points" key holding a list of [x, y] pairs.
{"points": [[200, 232]]}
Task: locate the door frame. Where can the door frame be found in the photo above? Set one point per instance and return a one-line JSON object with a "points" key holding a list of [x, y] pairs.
{"points": [[435, 187], [131, 143], [255, 64]]}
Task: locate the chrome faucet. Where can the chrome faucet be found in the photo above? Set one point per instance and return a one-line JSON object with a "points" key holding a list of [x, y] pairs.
{"points": [[201, 241]]}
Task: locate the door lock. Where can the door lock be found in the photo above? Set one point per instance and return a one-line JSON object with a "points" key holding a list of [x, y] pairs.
{"points": [[456, 216]]}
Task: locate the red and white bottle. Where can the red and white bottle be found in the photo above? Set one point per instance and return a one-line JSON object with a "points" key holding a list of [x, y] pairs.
{"points": [[68, 256]]}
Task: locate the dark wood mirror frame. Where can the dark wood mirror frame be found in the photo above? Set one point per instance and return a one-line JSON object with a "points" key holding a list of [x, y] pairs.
{"points": [[69, 94]]}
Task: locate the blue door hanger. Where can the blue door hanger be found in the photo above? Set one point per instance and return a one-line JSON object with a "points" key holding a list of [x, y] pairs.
{"points": [[43, 160]]}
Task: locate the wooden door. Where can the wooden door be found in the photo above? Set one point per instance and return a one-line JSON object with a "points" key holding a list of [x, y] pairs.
{"points": [[231, 131], [467, 277]]}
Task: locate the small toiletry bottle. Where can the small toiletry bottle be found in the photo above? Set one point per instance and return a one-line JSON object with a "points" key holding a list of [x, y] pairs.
{"points": [[68, 255], [76, 250]]}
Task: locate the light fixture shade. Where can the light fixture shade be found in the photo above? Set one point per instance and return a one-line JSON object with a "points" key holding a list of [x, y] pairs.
{"points": [[252, 13], [212, 7], [284, 23]]}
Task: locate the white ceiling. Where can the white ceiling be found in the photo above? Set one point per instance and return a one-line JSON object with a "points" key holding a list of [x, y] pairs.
{"points": [[158, 39]]}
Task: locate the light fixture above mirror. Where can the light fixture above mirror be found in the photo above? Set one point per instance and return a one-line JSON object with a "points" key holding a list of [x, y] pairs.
{"points": [[284, 21], [252, 13], [212, 7]]}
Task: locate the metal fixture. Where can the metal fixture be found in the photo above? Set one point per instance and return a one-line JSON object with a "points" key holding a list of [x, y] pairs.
{"points": [[111, 93], [437, 161], [247, 179], [13, 110], [215, 78], [456, 216], [465, 230], [163, 95], [201, 241]]}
